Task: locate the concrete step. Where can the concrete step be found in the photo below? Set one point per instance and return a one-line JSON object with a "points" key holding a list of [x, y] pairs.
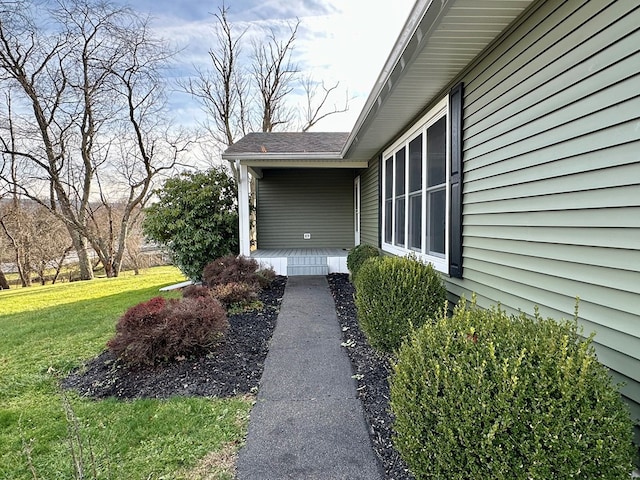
{"points": [[307, 260], [294, 270], [307, 265]]}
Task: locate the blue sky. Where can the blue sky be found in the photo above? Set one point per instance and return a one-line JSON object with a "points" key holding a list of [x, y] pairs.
{"points": [[338, 40]]}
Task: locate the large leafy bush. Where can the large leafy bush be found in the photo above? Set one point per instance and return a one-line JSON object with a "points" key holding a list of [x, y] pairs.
{"points": [[358, 255], [487, 395], [161, 330], [195, 218], [394, 295]]}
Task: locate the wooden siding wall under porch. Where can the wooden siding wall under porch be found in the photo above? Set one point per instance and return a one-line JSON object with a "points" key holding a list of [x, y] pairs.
{"points": [[292, 202]]}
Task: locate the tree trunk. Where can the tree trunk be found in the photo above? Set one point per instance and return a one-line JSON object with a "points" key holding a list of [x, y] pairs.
{"points": [[20, 255], [41, 271], [84, 262], [24, 274], [60, 264], [4, 285], [122, 244]]}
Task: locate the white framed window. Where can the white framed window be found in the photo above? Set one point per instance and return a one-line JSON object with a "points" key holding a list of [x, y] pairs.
{"points": [[416, 190]]}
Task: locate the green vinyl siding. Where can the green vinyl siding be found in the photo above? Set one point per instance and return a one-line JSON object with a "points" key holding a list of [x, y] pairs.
{"points": [[369, 204], [292, 202], [551, 205]]}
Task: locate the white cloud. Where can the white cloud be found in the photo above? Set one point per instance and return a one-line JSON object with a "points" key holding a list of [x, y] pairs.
{"points": [[344, 41], [351, 46]]}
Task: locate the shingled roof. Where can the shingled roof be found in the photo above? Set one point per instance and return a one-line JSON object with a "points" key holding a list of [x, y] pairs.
{"points": [[329, 143]]}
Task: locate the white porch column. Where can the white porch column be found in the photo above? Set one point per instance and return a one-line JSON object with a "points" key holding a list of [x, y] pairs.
{"points": [[243, 209]]}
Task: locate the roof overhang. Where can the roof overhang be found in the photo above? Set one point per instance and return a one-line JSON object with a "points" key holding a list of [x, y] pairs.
{"points": [[257, 162], [440, 39]]}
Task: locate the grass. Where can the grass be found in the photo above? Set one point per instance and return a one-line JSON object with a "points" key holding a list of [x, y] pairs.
{"points": [[47, 331]]}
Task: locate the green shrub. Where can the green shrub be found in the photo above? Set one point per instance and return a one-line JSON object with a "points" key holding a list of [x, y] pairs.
{"points": [[394, 294], [195, 218], [487, 395], [358, 255], [161, 330]]}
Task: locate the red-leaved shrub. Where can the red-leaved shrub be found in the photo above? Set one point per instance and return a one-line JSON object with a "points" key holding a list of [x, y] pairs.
{"points": [[160, 330], [229, 269], [196, 291], [145, 313], [233, 293]]}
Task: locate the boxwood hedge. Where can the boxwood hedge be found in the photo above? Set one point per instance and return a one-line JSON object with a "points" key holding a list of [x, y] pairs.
{"points": [[487, 395], [394, 295]]}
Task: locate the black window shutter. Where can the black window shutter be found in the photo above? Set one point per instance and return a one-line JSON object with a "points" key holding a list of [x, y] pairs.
{"points": [[455, 181], [380, 231]]}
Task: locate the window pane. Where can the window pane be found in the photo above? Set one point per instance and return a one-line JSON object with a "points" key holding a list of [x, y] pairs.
{"points": [[388, 212], [436, 152], [388, 178], [400, 170], [415, 164], [436, 221], [415, 221], [400, 222]]}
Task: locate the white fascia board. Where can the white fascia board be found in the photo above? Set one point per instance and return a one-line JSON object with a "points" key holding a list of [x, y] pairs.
{"points": [[296, 161], [243, 157], [305, 164]]}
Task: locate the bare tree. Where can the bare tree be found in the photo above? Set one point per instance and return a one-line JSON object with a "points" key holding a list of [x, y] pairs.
{"points": [[49, 243], [15, 229], [242, 93], [248, 92], [4, 284], [273, 74], [315, 108], [221, 90], [95, 129], [135, 257], [12, 216]]}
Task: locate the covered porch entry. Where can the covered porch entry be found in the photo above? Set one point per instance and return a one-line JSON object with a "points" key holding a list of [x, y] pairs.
{"points": [[304, 201]]}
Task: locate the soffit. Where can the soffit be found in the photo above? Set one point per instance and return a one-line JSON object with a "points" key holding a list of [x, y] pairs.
{"points": [[438, 41]]}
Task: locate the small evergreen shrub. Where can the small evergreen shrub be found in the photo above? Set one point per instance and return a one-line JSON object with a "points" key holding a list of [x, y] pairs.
{"points": [[161, 330], [196, 291], [237, 269], [234, 293], [394, 294], [487, 395], [358, 255]]}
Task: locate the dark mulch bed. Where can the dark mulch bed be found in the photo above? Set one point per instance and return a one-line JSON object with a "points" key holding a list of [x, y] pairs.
{"points": [[371, 371], [234, 368]]}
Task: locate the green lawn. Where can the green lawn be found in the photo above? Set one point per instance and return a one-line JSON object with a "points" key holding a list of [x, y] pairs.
{"points": [[45, 332]]}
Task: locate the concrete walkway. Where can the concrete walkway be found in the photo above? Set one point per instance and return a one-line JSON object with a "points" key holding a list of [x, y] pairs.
{"points": [[307, 422]]}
